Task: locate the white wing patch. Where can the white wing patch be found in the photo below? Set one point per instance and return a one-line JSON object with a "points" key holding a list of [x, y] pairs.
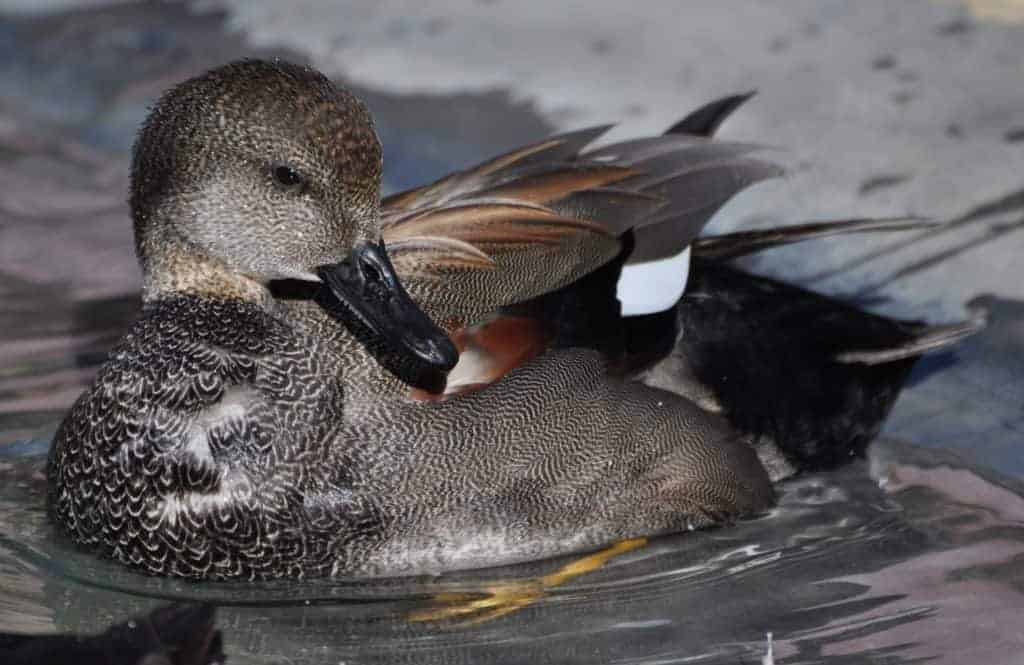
{"points": [[654, 286]]}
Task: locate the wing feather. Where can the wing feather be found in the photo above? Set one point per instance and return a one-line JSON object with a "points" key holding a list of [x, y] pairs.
{"points": [[494, 223], [432, 257], [557, 148]]}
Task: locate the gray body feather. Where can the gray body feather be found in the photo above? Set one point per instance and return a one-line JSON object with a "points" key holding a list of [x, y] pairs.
{"points": [[221, 441]]}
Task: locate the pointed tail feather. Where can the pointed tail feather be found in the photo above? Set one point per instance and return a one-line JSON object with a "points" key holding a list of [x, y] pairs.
{"points": [[706, 120], [742, 243], [931, 338]]}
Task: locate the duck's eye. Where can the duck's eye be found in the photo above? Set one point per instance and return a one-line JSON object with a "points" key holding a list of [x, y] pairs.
{"points": [[286, 176]]}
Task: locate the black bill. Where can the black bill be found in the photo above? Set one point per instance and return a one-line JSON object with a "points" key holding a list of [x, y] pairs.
{"points": [[364, 293]]}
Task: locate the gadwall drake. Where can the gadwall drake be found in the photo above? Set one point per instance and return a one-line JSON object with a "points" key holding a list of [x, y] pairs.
{"points": [[286, 404]]}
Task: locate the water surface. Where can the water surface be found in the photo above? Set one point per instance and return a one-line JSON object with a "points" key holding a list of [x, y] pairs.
{"points": [[911, 555]]}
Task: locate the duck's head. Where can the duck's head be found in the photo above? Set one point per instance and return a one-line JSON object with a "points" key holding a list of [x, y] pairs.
{"points": [[262, 171]]}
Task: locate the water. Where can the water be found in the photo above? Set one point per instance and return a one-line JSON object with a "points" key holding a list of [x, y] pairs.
{"points": [[912, 554], [905, 556]]}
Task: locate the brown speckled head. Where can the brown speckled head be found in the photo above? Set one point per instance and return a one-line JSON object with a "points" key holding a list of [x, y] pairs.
{"points": [[255, 170]]}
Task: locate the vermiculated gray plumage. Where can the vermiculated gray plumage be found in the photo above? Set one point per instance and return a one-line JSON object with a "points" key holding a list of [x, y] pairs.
{"points": [[240, 431], [229, 447]]}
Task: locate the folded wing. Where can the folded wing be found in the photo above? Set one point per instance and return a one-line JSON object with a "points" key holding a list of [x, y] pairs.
{"points": [[541, 217]]}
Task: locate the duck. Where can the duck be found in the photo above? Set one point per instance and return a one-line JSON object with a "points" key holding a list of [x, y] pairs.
{"points": [[326, 382]]}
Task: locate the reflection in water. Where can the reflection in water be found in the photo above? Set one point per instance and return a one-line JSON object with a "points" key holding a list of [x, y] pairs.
{"points": [[503, 598], [910, 555]]}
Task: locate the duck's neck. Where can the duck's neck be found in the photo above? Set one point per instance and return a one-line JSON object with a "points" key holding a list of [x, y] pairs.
{"points": [[187, 273]]}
